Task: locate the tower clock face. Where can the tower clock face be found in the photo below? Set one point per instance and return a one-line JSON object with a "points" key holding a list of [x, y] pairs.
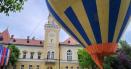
{"points": [[52, 34], [51, 37]]}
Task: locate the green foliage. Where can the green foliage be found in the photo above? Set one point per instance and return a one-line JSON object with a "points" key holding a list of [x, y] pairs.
{"points": [[15, 52], [85, 60], [120, 60], [7, 6], [126, 48]]}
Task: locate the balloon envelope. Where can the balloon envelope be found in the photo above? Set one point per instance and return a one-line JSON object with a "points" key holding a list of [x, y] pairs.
{"points": [[96, 24]]}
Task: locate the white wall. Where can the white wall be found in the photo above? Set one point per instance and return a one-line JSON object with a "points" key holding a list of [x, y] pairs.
{"points": [[29, 49], [74, 50]]}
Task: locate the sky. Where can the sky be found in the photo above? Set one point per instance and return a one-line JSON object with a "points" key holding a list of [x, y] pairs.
{"points": [[31, 20]]}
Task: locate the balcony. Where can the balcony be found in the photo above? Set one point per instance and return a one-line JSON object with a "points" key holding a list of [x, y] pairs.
{"points": [[50, 60]]}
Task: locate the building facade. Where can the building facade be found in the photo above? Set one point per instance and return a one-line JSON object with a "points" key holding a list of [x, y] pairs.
{"points": [[45, 54]]}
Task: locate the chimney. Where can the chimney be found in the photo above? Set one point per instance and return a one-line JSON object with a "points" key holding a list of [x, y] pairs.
{"points": [[12, 36], [33, 38], [28, 39]]}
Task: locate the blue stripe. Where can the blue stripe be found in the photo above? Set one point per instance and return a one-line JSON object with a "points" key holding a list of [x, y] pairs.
{"points": [[1, 53], [73, 18], [62, 23], [125, 22], [113, 14], [91, 11]]}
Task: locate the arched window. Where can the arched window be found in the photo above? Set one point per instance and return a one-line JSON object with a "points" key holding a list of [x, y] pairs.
{"points": [[69, 55], [77, 67], [66, 67], [50, 55]]}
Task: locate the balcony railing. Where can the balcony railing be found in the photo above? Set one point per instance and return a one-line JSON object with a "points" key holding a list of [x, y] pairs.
{"points": [[50, 60]]}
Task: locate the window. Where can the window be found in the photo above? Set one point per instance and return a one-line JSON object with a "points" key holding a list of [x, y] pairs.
{"points": [[66, 67], [31, 55], [14, 40], [50, 55], [77, 67], [49, 68], [22, 67], [69, 55], [30, 67], [72, 67], [39, 55], [37, 67], [14, 66], [51, 40], [24, 55]]}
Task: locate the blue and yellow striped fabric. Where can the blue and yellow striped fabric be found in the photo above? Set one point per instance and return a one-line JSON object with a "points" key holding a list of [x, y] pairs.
{"points": [[92, 21]]}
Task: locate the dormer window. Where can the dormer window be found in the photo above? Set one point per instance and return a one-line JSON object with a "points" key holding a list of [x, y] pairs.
{"points": [[14, 40], [40, 42], [69, 42], [27, 41]]}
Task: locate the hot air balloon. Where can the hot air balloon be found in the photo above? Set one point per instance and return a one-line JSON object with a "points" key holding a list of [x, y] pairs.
{"points": [[96, 24]]}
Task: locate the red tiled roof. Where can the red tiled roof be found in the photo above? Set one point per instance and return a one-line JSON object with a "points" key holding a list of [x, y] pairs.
{"points": [[25, 42], [6, 39]]}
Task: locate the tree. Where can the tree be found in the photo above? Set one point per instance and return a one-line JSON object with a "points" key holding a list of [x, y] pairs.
{"points": [[85, 60], [126, 48], [7, 6], [120, 60], [15, 52]]}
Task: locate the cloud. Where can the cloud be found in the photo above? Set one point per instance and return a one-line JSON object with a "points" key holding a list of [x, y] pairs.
{"points": [[29, 21]]}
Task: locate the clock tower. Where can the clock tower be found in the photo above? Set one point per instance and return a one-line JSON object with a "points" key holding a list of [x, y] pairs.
{"points": [[51, 44]]}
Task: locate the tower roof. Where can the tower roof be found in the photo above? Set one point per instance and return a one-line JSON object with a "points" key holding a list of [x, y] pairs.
{"points": [[70, 41], [5, 35]]}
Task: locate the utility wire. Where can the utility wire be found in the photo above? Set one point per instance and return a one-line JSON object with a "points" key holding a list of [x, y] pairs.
{"points": [[36, 27]]}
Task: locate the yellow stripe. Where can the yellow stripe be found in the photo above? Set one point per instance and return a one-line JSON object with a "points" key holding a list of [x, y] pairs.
{"points": [[103, 15], [122, 13], [61, 7], [82, 17]]}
